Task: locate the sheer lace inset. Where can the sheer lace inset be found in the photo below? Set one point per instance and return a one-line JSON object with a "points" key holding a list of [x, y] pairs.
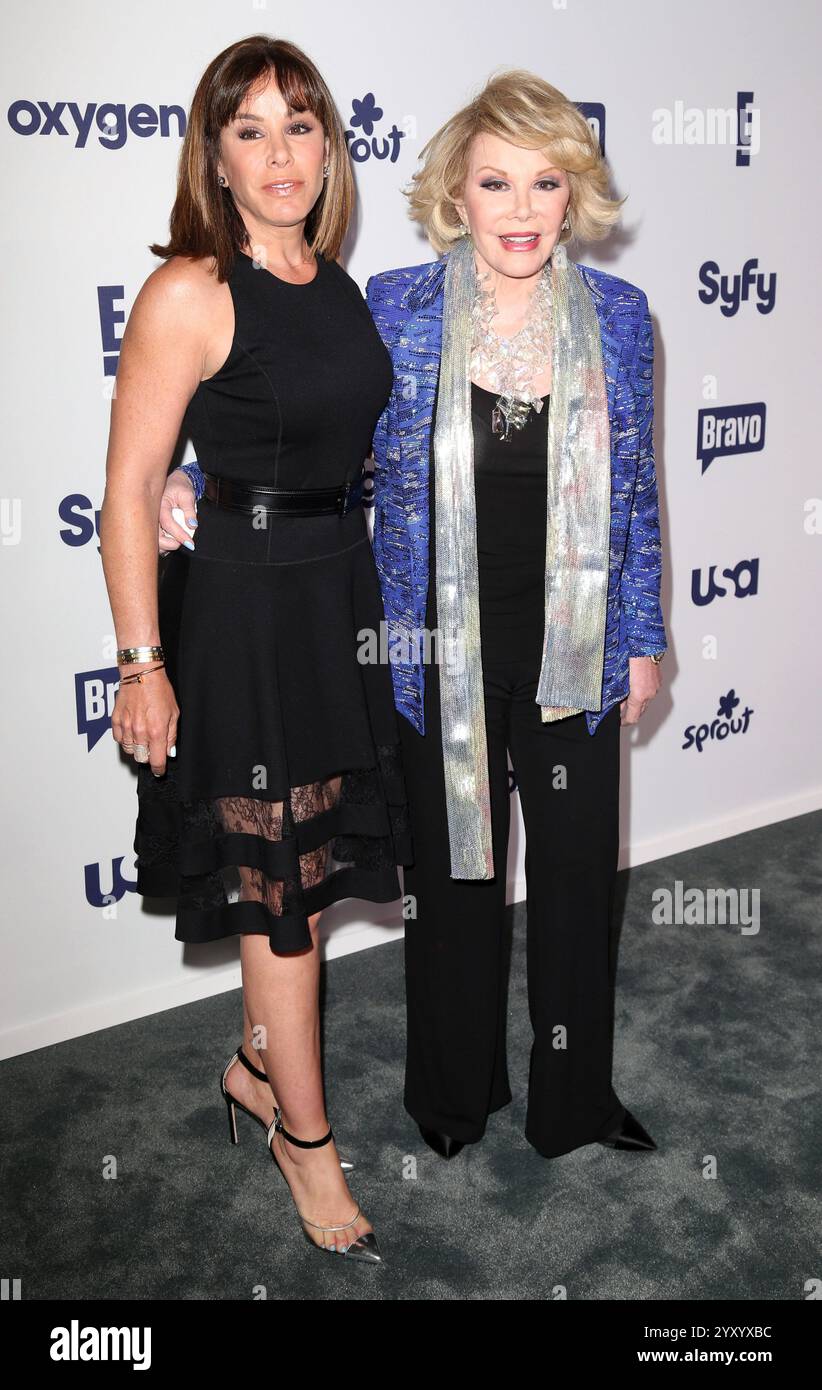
{"points": [[280, 854], [250, 816]]}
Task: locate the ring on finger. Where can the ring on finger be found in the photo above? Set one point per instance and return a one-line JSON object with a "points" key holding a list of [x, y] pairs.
{"points": [[141, 751]]}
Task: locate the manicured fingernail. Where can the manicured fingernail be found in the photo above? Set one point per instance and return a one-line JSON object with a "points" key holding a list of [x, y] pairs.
{"points": [[192, 521], [172, 752], [189, 545]]}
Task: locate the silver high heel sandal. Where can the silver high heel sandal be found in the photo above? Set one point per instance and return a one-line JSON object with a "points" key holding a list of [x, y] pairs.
{"points": [[239, 1056], [365, 1247]]}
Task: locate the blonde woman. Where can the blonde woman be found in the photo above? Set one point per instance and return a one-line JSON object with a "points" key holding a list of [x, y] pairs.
{"points": [[517, 522]]}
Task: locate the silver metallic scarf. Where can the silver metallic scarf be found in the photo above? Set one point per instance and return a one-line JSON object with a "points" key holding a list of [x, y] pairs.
{"points": [[577, 541]]}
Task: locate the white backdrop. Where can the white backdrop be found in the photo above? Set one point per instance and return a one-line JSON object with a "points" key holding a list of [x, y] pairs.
{"points": [[82, 205]]}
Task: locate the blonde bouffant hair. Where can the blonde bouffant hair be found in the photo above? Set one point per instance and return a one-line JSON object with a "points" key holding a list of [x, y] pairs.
{"points": [[521, 108]]}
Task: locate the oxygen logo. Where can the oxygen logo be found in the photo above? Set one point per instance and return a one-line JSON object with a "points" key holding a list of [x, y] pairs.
{"points": [[744, 577], [722, 726], [110, 123], [729, 429], [734, 290]]}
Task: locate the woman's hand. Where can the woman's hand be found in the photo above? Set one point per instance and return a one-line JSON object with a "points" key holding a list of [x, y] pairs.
{"points": [[145, 717], [644, 681], [178, 493]]}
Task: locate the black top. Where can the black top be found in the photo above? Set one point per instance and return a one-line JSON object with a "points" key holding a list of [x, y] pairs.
{"points": [[510, 480], [295, 403]]}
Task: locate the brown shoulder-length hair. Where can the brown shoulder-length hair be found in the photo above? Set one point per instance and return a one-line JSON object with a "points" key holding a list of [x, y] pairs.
{"points": [[205, 220]]}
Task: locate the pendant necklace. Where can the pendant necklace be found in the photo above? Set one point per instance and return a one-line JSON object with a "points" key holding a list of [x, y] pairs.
{"points": [[511, 364]]}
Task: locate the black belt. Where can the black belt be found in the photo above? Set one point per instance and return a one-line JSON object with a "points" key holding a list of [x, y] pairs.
{"points": [[318, 501]]}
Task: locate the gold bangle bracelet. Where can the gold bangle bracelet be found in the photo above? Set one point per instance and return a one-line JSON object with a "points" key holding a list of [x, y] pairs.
{"points": [[139, 676], [128, 655]]}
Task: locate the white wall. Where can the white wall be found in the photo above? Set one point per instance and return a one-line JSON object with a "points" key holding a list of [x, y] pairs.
{"points": [[79, 219]]}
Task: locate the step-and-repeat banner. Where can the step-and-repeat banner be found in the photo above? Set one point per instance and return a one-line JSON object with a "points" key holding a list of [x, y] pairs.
{"points": [[707, 114]]}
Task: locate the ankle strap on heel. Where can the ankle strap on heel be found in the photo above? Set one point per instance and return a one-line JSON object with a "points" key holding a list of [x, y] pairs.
{"points": [[249, 1066], [301, 1143]]}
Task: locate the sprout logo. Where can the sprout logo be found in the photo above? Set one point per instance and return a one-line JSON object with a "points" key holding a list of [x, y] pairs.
{"points": [[365, 114], [719, 728]]}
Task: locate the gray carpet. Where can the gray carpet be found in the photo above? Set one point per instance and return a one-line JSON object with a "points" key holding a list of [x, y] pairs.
{"points": [[716, 1053]]}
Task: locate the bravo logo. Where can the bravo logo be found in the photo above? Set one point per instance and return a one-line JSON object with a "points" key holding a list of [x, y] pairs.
{"points": [[729, 429], [94, 693]]}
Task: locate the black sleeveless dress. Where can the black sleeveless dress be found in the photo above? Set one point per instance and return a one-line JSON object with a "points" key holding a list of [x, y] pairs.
{"points": [[286, 792]]}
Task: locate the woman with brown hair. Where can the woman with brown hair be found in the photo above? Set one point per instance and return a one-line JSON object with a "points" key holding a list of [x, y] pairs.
{"points": [[269, 780]]}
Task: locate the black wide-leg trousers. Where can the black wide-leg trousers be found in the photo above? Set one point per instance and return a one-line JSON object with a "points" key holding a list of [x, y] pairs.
{"points": [[456, 943]]}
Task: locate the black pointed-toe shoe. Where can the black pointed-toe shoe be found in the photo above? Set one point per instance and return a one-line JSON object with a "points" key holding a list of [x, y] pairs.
{"points": [[442, 1144], [629, 1135]]}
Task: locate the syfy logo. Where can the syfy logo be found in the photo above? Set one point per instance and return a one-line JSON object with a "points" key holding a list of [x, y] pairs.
{"points": [[729, 429], [722, 726], [82, 521], [733, 290], [744, 577], [111, 122], [94, 693]]}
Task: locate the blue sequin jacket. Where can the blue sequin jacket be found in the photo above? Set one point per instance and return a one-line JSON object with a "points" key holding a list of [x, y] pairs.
{"points": [[406, 305]]}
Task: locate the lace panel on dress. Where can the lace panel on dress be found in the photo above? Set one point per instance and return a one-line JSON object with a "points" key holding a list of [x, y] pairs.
{"points": [[356, 819]]}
